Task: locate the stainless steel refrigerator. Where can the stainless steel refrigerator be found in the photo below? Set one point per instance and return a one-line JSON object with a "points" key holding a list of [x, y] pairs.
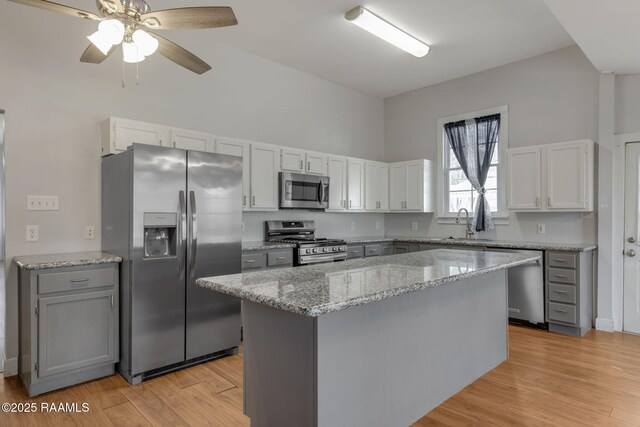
{"points": [[174, 216]]}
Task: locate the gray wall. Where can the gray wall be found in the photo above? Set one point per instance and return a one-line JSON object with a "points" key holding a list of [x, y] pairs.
{"points": [[551, 98], [54, 106], [628, 103]]}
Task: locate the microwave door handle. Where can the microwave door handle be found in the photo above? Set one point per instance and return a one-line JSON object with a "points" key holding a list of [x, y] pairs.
{"points": [[320, 192]]}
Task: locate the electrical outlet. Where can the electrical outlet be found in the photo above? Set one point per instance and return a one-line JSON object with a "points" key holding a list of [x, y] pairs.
{"points": [[541, 229], [377, 225], [414, 226], [33, 233], [42, 203], [353, 226], [89, 232]]}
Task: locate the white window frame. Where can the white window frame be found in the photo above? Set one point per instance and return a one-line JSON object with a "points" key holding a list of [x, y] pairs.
{"points": [[501, 217]]}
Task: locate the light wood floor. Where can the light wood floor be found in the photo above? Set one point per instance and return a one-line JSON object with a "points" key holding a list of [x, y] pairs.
{"points": [[549, 379]]}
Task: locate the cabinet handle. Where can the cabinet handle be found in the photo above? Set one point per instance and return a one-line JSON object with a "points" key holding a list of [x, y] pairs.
{"points": [[559, 311], [560, 292], [280, 258], [560, 260], [253, 200], [537, 202], [301, 165], [349, 204], [244, 200], [79, 280], [561, 276], [249, 261], [549, 201], [111, 300], [308, 166]]}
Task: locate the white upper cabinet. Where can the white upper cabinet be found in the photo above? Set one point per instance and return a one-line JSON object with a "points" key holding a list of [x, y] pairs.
{"points": [[265, 160], [552, 177], [337, 172], [570, 176], [316, 164], [524, 178], [355, 185], [238, 148], [118, 134], [190, 140], [292, 160], [376, 186], [410, 186]]}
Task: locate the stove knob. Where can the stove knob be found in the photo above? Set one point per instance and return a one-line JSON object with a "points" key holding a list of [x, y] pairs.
{"points": [[307, 251], [334, 249], [327, 249], [315, 251]]}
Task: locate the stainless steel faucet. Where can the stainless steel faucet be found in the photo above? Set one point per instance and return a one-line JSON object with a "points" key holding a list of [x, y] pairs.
{"points": [[468, 232]]}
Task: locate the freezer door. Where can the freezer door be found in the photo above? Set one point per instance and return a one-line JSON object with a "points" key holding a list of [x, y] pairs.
{"points": [[158, 283], [214, 189]]}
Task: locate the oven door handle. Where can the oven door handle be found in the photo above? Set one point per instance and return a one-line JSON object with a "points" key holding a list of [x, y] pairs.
{"points": [[314, 259]]}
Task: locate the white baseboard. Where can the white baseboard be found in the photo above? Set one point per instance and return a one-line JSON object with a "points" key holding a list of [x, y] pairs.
{"points": [[10, 366], [604, 324]]}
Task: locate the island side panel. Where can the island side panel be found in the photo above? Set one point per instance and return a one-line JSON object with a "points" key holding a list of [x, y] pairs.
{"points": [[279, 367], [390, 362]]}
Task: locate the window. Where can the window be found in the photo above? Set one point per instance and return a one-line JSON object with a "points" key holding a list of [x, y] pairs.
{"points": [[454, 190]]}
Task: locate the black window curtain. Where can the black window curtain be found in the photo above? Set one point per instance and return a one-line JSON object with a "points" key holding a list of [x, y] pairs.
{"points": [[473, 143]]}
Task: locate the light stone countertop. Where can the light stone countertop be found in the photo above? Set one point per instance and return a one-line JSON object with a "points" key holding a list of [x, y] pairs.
{"points": [[75, 259], [262, 246], [506, 244], [319, 289]]}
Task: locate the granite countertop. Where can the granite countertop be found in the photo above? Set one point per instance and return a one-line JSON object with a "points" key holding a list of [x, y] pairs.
{"points": [[43, 262], [319, 289], [262, 245], [507, 244]]}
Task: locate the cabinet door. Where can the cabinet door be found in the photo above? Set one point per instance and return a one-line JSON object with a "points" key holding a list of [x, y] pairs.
{"points": [[337, 171], [292, 160], [129, 132], [397, 187], [264, 177], [316, 164], [566, 176], [523, 178], [236, 147], [415, 187], [189, 140], [355, 184], [371, 186], [75, 331]]}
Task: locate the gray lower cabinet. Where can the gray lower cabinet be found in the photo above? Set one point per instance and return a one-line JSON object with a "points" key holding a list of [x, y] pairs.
{"points": [[405, 248], [369, 250], [272, 258], [387, 249], [68, 325], [355, 251], [569, 291]]}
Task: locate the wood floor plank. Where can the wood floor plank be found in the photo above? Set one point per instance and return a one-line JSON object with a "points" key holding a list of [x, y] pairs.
{"points": [[125, 414], [154, 409]]}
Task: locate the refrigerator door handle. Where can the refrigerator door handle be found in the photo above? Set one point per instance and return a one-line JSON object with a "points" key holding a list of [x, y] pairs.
{"points": [[193, 234], [182, 228]]}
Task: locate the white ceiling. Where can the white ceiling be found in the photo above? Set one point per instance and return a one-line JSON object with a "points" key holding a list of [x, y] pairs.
{"points": [[467, 36], [607, 31]]}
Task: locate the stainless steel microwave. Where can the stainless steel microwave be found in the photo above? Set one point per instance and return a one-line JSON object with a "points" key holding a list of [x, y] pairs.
{"points": [[298, 191]]}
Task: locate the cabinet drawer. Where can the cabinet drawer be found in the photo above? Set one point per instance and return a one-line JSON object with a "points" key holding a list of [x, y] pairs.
{"points": [[279, 258], [355, 252], [558, 259], [372, 250], [562, 313], [74, 280], [250, 261], [387, 249], [562, 293], [561, 275]]}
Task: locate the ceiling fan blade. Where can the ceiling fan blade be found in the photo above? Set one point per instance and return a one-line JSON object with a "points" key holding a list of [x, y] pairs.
{"points": [[55, 7], [181, 56], [190, 18], [93, 55], [110, 6]]}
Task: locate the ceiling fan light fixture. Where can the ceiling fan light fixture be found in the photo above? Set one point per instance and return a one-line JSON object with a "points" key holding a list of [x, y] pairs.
{"points": [[100, 42], [390, 33], [112, 30], [146, 43], [131, 54]]}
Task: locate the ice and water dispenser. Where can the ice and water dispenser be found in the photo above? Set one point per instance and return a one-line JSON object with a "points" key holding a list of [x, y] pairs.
{"points": [[160, 234]]}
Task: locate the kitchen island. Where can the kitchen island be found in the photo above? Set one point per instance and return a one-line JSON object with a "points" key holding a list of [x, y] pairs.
{"points": [[377, 341]]}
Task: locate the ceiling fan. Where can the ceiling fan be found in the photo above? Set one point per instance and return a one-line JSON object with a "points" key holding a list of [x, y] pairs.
{"points": [[124, 22]]}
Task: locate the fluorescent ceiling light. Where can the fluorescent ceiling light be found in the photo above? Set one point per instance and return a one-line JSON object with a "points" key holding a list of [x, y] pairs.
{"points": [[381, 28]]}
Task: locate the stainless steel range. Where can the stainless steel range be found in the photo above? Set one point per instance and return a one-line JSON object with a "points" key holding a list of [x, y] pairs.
{"points": [[309, 249]]}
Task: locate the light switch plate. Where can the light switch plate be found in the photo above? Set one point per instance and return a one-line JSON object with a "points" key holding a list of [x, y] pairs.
{"points": [[541, 229], [42, 203], [33, 233]]}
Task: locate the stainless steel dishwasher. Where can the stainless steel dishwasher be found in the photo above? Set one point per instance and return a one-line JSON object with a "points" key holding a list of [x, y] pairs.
{"points": [[526, 288]]}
